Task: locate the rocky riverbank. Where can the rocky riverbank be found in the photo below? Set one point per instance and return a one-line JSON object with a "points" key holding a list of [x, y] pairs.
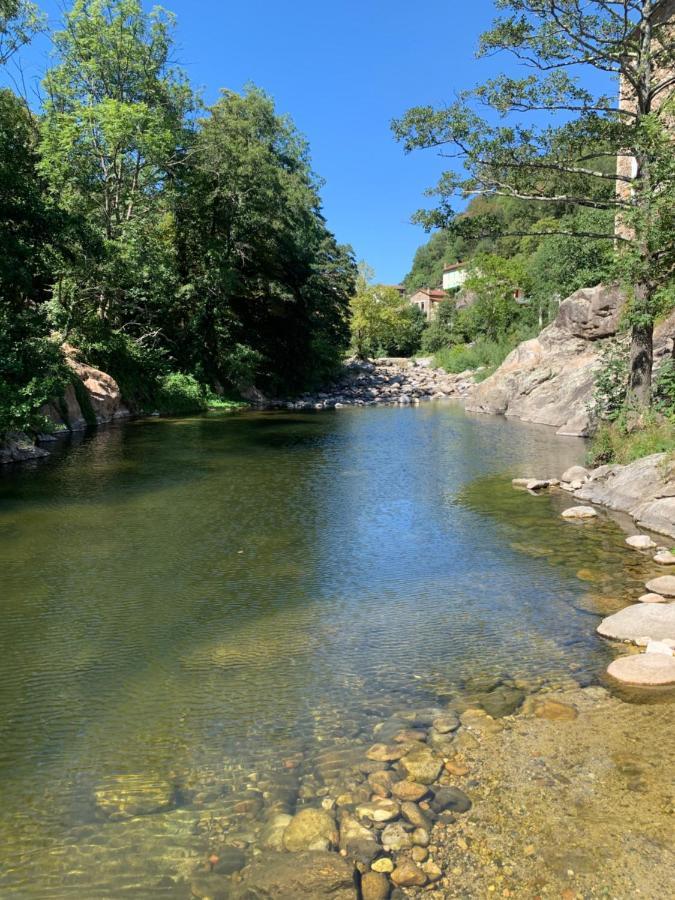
{"points": [[645, 490], [385, 381], [563, 797], [91, 398], [550, 379]]}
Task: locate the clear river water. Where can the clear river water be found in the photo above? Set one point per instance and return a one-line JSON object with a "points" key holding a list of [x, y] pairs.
{"points": [[190, 605]]}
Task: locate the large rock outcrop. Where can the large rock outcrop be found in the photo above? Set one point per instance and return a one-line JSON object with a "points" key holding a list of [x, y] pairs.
{"points": [[550, 379], [94, 398], [645, 489]]}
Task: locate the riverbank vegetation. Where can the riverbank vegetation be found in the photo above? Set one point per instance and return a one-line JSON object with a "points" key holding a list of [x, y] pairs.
{"points": [[181, 248], [602, 174]]}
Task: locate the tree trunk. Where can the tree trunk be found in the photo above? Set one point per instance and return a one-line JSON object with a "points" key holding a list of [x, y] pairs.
{"points": [[641, 359]]}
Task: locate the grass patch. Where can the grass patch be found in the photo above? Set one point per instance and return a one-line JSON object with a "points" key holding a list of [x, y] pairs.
{"points": [[613, 443]]}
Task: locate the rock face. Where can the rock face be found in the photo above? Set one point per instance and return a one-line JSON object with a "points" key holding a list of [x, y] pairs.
{"points": [[281, 876], [17, 447], [640, 622], [645, 489], [103, 394], [104, 404], [550, 379]]}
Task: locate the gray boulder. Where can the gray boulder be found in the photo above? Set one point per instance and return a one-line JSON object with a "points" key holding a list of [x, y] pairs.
{"points": [[640, 622], [550, 379]]}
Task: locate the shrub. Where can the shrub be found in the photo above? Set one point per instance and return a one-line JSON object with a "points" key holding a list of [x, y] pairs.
{"points": [[32, 370], [614, 443], [483, 352], [181, 394]]}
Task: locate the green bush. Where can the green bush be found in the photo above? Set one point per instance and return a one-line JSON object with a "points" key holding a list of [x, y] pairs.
{"points": [[180, 394], [483, 352], [32, 370], [614, 443]]}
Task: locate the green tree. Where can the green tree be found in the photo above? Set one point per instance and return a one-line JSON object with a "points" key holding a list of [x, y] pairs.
{"points": [[266, 286], [572, 165], [384, 323], [19, 21], [114, 135], [440, 332]]}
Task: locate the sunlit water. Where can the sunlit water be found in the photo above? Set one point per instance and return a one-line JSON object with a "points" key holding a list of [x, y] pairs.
{"points": [[195, 602]]}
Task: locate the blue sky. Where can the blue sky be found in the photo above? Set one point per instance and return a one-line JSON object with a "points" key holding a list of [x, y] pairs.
{"points": [[342, 70]]}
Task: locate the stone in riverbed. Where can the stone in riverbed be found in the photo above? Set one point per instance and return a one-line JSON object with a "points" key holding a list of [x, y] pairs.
{"points": [[640, 542], [575, 473], [664, 584], [580, 512], [665, 558], [383, 864], [450, 798], [641, 621], [409, 790], [395, 838], [374, 886], [288, 877], [647, 669], [380, 810], [445, 724], [126, 796], [555, 711], [311, 829], [413, 814], [422, 766], [663, 647], [407, 874], [652, 598], [211, 887], [387, 753]]}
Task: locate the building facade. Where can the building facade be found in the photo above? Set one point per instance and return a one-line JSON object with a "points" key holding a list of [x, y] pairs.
{"points": [[427, 300]]}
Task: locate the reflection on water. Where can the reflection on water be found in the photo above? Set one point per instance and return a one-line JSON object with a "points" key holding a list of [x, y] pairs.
{"points": [[195, 602]]}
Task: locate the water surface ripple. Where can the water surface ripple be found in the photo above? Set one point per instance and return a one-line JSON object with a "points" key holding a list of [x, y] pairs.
{"points": [[182, 597]]}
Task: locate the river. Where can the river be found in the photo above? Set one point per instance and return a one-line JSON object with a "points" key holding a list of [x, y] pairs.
{"points": [[195, 602]]}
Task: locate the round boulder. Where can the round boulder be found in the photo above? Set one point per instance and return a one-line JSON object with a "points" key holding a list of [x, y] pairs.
{"points": [[665, 558], [664, 584], [647, 669], [640, 542], [652, 598], [575, 473], [580, 512], [311, 829], [422, 766], [374, 886], [643, 620]]}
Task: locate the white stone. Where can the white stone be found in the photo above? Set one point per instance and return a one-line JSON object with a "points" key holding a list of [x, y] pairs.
{"points": [[640, 542], [662, 647], [580, 512], [652, 598], [665, 585], [648, 669], [642, 620], [575, 473], [665, 558]]}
